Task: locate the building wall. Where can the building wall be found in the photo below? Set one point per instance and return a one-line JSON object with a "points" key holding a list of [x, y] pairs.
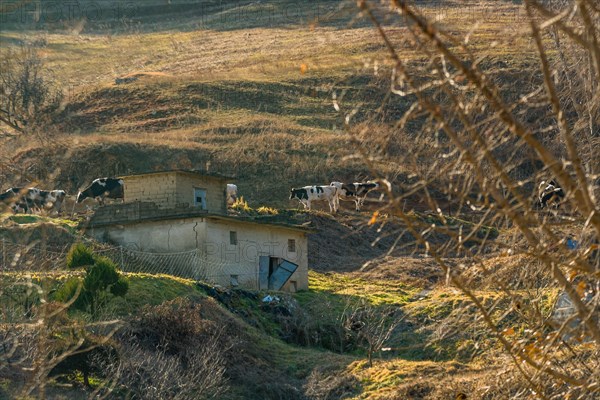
{"points": [[211, 237], [215, 191], [159, 188], [169, 189], [253, 241]]}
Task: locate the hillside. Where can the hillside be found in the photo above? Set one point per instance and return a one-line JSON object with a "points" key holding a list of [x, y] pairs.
{"points": [[247, 90], [294, 340], [455, 280]]}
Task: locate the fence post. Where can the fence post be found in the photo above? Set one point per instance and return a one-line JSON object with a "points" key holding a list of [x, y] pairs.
{"points": [[122, 263], [3, 254]]}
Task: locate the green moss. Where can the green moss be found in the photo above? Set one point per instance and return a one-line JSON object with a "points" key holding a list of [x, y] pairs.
{"points": [[22, 219]]}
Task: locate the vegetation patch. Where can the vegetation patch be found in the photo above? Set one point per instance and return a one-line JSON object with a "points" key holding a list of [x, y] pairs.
{"points": [[344, 287]]}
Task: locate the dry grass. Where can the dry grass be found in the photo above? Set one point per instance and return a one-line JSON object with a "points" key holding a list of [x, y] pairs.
{"points": [[247, 91]]}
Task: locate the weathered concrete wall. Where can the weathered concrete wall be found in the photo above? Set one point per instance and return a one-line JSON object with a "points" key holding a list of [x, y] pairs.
{"points": [[212, 237], [254, 240], [215, 191], [168, 236], [119, 213]]}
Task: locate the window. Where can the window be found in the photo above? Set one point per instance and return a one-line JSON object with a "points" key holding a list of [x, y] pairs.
{"points": [[200, 198], [233, 238], [291, 245], [233, 280]]}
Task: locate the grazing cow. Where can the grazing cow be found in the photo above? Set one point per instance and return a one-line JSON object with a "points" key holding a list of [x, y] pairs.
{"points": [[38, 200], [231, 194], [21, 199], [101, 188], [356, 192], [52, 199], [33, 199], [11, 197], [550, 195], [308, 194]]}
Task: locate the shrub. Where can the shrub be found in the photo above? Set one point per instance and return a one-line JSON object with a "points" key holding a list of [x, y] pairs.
{"points": [[121, 287], [88, 361], [80, 256], [30, 96], [67, 291], [241, 205], [101, 275], [171, 352], [267, 210], [176, 324], [101, 280]]}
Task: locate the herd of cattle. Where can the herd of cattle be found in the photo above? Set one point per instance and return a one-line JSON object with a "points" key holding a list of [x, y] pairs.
{"points": [[550, 195], [35, 200], [336, 191]]}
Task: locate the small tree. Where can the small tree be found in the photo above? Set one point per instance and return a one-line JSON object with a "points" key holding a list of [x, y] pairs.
{"points": [[27, 92], [370, 326], [102, 278], [100, 282], [79, 256]]}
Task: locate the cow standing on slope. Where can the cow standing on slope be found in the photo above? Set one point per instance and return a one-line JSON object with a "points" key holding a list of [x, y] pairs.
{"points": [[51, 200], [550, 195], [101, 188], [308, 194], [356, 192], [15, 198]]}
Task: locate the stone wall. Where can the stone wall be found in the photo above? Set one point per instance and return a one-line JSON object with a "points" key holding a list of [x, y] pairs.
{"points": [[159, 188]]}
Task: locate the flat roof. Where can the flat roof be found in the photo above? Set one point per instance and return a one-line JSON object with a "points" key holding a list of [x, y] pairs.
{"points": [[182, 213], [261, 221], [214, 175]]}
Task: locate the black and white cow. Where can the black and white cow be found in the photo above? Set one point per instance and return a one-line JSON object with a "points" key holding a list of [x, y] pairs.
{"points": [[308, 194], [101, 188], [21, 199], [11, 197], [52, 200], [356, 192], [550, 195]]}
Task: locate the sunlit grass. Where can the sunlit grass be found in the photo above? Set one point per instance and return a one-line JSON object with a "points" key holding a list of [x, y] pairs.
{"points": [[23, 219], [343, 286], [151, 289]]}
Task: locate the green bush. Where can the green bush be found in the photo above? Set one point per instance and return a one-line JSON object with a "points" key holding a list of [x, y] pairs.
{"points": [[101, 275], [101, 280], [80, 256], [66, 292]]}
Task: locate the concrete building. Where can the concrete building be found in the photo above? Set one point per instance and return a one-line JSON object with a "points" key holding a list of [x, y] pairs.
{"points": [[172, 189], [171, 212]]}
